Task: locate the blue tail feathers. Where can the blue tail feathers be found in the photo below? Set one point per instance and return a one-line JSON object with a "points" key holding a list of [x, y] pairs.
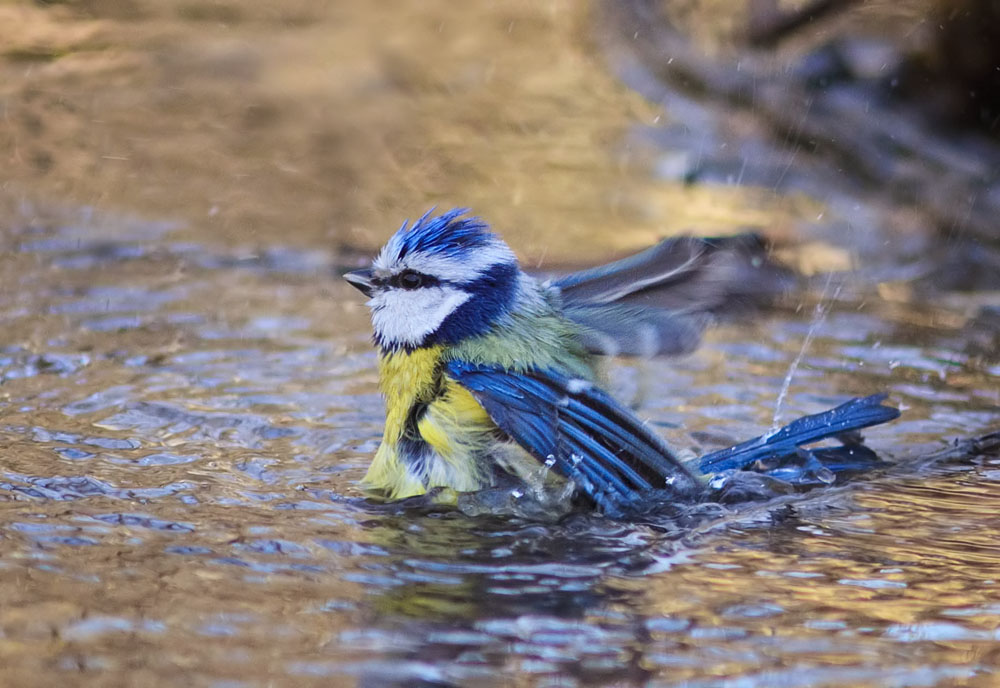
{"points": [[847, 418]]}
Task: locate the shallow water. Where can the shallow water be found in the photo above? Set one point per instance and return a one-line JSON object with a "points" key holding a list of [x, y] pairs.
{"points": [[188, 401], [182, 432]]}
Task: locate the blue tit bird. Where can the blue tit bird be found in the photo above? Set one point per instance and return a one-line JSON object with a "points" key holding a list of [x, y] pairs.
{"points": [[488, 372]]}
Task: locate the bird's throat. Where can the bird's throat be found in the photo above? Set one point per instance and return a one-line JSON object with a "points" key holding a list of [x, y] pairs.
{"points": [[408, 379]]}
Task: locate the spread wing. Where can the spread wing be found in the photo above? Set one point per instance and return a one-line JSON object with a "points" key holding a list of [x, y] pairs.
{"points": [[578, 429], [660, 300]]}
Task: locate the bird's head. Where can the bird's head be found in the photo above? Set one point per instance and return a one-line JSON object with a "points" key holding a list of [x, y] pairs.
{"points": [[438, 281]]}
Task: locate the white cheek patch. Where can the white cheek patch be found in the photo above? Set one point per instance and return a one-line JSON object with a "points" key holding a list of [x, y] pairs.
{"points": [[407, 317]]}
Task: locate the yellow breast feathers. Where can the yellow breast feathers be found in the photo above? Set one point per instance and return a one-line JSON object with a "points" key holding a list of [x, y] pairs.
{"points": [[436, 434]]}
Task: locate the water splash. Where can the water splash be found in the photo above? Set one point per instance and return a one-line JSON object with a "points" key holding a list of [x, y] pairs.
{"points": [[819, 315]]}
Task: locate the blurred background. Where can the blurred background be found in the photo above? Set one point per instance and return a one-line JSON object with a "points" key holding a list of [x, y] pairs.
{"points": [[574, 127], [187, 389]]}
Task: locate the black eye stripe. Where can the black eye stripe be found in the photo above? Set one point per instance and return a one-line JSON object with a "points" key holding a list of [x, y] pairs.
{"points": [[408, 279]]}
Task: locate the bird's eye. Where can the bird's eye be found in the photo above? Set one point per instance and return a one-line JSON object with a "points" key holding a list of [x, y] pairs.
{"points": [[411, 280]]}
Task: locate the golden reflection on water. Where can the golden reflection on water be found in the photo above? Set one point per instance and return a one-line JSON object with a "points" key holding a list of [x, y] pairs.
{"points": [[188, 401], [180, 439]]}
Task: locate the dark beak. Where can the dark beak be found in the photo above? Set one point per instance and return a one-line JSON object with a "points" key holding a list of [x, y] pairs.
{"points": [[361, 280]]}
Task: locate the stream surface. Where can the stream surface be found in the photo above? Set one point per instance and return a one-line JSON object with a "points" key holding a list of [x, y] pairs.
{"points": [[188, 390]]}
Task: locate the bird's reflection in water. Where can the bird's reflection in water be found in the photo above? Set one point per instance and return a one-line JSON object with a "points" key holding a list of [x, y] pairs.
{"points": [[473, 598]]}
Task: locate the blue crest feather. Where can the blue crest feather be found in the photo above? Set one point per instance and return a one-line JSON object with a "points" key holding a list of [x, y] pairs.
{"points": [[448, 233]]}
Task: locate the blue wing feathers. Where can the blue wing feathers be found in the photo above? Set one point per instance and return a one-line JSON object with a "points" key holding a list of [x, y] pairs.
{"points": [[605, 420], [853, 415], [594, 441], [608, 416], [588, 446], [615, 459]]}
